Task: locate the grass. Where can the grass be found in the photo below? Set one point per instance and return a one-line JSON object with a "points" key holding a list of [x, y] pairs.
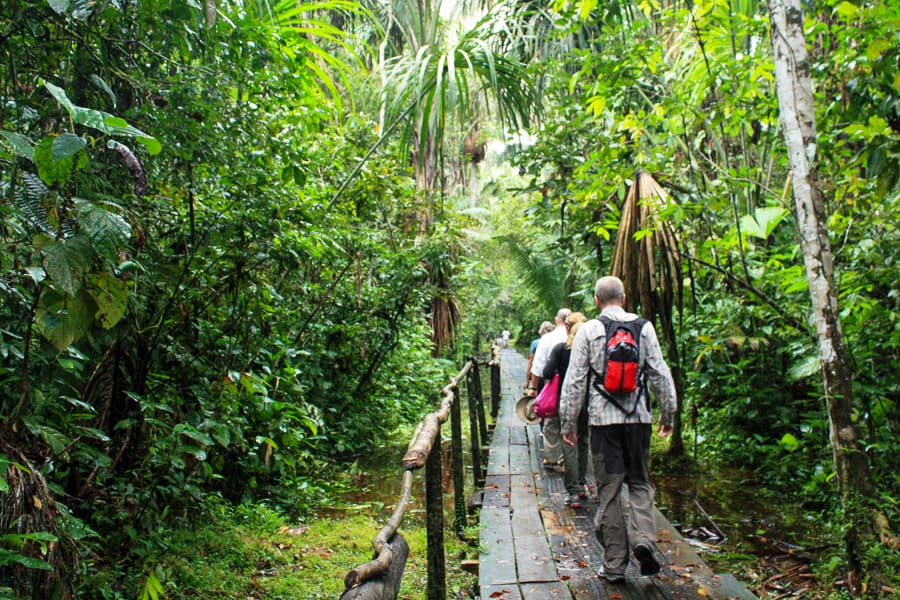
{"points": [[251, 552], [254, 552]]}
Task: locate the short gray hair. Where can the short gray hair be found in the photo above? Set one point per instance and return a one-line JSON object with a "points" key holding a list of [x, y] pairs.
{"points": [[609, 290], [562, 314]]}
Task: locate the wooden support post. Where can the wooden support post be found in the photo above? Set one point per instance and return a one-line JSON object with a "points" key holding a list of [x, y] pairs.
{"points": [[459, 500], [495, 390], [434, 524], [387, 586], [479, 397], [473, 430]]}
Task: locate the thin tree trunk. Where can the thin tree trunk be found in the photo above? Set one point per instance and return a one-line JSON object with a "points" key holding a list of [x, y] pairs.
{"points": [[795, 98]]}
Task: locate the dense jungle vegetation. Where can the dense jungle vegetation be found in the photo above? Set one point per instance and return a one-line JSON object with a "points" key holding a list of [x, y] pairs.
{"points": [[245, 241]]}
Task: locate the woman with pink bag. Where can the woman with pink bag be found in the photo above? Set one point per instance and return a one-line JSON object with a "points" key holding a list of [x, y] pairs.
{"points": [[576, 457]]}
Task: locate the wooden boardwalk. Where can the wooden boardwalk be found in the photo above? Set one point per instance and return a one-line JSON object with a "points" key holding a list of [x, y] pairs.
{"points": [[534, 547]]}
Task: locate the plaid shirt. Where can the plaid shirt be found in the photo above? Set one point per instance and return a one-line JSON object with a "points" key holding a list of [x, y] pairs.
{"points": [[589, 348]]}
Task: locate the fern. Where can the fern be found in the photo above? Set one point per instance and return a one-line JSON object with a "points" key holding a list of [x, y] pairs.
{"points": [[29, 199]]}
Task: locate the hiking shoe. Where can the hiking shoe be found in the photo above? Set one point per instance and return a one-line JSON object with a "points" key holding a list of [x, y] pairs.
{"points": [[613, 578], [574, 501], [649, 564]]}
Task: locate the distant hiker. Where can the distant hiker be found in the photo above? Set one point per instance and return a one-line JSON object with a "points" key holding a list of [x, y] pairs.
{"points": [[550, 427], [531, 382], [505, 338], [620, 426], [576, 455]]}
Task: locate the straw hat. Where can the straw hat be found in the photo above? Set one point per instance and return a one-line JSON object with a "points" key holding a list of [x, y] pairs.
{"points": [[525, 410]]}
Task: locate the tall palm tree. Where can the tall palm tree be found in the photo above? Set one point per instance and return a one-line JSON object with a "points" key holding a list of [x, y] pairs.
{"points": [[444, 74], [449, 74]]}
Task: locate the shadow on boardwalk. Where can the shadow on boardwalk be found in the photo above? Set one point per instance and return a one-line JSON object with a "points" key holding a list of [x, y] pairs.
{"points": [[534, 547]]}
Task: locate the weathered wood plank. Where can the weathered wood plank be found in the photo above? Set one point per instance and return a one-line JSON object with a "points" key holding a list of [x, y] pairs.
{"points": [[517, 434], [533, 559], [498, 459], [497, 561], [500, 592], [547, 590], [519, 460]]}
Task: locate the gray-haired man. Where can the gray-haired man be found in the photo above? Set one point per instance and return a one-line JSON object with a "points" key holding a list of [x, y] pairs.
{"points": [[620, 439]]}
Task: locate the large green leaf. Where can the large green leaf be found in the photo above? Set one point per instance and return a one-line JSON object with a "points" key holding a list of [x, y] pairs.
{"points": [[66, 261], [763, 221], [107, 231], [9, 557], [64, 319], [52, 170], [19, 143], [102, 121], [111, 296], [66, 145]]}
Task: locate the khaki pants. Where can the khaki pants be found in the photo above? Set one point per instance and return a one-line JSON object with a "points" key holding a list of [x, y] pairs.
{"points": [[621, 524], [552, 433], [577, 457]]}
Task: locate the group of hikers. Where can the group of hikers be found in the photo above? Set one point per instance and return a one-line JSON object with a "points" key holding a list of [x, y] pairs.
{"points": [[604, 412]]}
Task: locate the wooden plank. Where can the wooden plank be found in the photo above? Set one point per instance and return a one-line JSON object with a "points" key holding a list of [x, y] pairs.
{"points": [[497, 562], [517, 434], [496, 492], [546, 590], [498, 459], [725, 586], [500, 592], [519, 460], [533, 559]]}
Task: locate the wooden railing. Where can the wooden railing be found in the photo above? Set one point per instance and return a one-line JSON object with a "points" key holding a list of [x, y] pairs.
{"points": [[379, 579]]}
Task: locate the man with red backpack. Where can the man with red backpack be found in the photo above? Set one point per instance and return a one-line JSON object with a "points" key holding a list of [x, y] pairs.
{"points": [[613, 359]]}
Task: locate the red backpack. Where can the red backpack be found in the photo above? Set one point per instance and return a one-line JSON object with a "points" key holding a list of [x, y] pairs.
{"points": [[623, 353]]}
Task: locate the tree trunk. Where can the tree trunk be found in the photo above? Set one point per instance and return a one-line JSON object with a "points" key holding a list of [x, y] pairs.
{"points": [[795, 99]]}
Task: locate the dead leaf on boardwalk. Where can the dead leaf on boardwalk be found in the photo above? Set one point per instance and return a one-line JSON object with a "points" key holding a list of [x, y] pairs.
{"points": [[583, 564], [702, 592], [615, 596], [500, 593], [564, 578]]}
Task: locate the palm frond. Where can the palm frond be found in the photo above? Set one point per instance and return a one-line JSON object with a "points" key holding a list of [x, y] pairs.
{"points": [[646, 256]]}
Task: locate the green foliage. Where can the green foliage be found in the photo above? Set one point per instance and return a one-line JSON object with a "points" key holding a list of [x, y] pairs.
{"points": [[184, 318], [197, 301]]}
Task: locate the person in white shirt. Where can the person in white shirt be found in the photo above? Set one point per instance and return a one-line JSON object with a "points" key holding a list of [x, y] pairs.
{"points": [[550, 427]]}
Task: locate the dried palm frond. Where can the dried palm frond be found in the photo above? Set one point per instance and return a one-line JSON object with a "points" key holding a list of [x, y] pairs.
{"points": [[445, 317], [646, 256], [28, 512]]}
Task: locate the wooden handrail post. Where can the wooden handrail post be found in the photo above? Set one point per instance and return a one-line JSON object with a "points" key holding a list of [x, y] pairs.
{"points": [[479, 397], [495, 388], [434, 517], [473, 428], [459, 520]]}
